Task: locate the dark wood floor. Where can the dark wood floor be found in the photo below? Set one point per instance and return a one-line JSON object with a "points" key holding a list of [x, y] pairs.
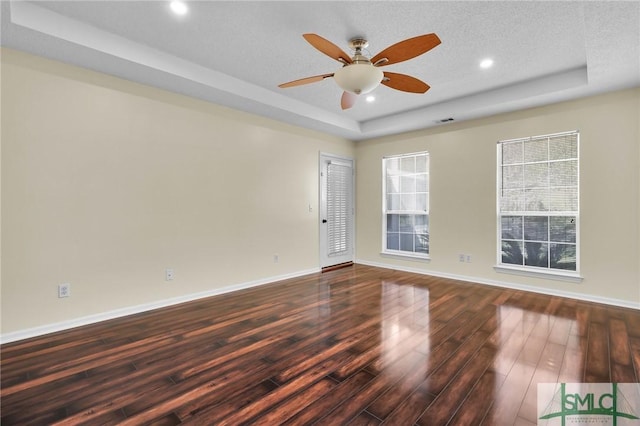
{"points": [[359, 345]]}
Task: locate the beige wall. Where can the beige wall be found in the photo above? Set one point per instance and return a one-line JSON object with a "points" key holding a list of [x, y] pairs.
{"points": [[463, 194], [105, 183]]}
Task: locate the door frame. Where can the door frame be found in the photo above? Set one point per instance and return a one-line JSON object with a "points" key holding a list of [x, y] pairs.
{"points": [[324, 156]]}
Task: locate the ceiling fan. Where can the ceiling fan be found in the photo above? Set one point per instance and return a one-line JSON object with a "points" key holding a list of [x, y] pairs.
{"points": [[360, 75]]}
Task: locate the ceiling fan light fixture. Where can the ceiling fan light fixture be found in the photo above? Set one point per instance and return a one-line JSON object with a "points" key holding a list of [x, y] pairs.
{"points": [[358, 78], [179, 7], [486, 63]]}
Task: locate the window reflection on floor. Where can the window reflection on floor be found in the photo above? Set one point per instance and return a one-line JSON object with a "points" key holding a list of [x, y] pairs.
{"points": [[405, 328], [533, 348]]}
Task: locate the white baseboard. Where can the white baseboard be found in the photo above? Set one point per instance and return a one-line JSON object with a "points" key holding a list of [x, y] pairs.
{"points": [[117, 313], [513, 286]]}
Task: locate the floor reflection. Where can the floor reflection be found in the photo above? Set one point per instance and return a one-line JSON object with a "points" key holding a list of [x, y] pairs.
{"points": [[404, 331], [533, 347]]}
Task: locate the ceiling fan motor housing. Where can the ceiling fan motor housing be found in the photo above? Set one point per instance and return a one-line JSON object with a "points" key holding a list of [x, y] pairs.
{"points": [[360, 76]]}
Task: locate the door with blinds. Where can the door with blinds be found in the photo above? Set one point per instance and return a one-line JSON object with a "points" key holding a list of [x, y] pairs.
{"points": [[336, 210]]}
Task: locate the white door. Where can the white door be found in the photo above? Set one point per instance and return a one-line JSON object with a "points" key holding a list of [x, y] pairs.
{"points": [[336, 210]]}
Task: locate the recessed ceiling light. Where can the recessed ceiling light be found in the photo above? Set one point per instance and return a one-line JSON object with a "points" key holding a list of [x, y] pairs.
{"points": [[179, 7], [486, 63], [371, 98]]}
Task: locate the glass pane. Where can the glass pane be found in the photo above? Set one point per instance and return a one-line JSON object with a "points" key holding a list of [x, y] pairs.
{"points": [[536, 150], [393, 202], [564, 147], [421, 183], [422, 202], [408, 184], [563, 199], [393, 241], [536, 200], [562, 229], [421, 164], [408, 164], [512, 200], [392, 165], [421, 223], [563, 256], [512, 177], [536, 228], [406, 242], [536, 175], [512, 252], [393, 224], [535, 254], [511, 227], [511, 152], [393, 184], [421, 242], [563, 173], [408, 202], [406, 223]]}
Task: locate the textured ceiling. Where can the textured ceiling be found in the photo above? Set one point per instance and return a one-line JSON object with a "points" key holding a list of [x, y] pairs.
{"points": [[236, 53]]}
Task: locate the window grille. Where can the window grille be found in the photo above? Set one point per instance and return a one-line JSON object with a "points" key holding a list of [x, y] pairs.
{"points": [[538, 202], [406, 204]]}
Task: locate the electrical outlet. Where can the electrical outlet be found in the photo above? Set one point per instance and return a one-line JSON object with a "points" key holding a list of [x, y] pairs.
{"points": [[461, 257], [64, 290], [276, 258], [169, 275], [468, 258]]}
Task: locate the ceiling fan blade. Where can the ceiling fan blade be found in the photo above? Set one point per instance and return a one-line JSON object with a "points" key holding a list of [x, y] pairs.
{"points": [[407, 49], [328, 48], [404, 82], [305, 80], [348, 100]]}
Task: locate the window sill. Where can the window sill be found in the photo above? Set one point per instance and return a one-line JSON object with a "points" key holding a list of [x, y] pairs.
{"points": [[413, 257], [552, 275]]}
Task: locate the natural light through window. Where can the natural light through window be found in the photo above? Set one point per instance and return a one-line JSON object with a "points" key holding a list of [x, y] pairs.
{"points": [[538, 203], [406, 205]]}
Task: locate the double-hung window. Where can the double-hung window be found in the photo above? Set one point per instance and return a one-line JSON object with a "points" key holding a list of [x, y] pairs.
{"points": [[538, 203], [405, 205]]}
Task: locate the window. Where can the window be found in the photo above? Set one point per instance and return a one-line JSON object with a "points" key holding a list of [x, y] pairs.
{"points": [[538, 203], [405, 205]]}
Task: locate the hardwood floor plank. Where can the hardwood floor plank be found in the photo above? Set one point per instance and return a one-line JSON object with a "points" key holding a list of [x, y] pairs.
{"points": [[389, 400], [547, 371], [211, 409], [365, 419], [350, 408], [479, 400], [508, 399], [292, 406], [634, 343], [597, 370], [358, 345], [339, 394], [448, 370], [447, 402], [410, 409], [621, 364]]}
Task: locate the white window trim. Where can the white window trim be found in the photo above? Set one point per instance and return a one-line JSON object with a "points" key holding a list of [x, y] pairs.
{"points": [[535, 271], [405, 255], [397, 253]]}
